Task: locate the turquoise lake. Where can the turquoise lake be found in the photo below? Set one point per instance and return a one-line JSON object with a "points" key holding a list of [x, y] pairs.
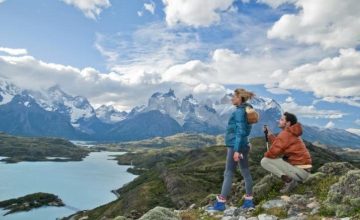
{"points": [[81, 185]]}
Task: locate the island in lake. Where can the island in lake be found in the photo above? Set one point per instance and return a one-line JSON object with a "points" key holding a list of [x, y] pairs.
{"points": [[31, 201]]}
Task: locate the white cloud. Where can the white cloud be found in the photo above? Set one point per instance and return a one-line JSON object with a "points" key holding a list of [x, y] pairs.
{"points": [[195, 13], [90, 8], [140, 13], [331, 77], [330, 124], [150, 7], [331, 23], [353, 101], [309, 111], [354, 131], [126, 88], [1, 1], [357, 121], [12, 51]]}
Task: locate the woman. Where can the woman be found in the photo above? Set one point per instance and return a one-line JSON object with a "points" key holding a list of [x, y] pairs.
{"points": [[238, 146]]}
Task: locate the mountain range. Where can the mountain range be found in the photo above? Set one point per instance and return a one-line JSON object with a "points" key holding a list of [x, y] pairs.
{"points": [[53, 112]]}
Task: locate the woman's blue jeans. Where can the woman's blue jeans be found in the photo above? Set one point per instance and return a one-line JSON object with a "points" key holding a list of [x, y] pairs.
{"points": [[230, 168]]}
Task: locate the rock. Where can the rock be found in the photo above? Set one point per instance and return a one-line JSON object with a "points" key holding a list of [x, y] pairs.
{"points": [[267, 217], [297, 205], [266, 185], [297, 218], [229, 218], [344, 196], [336, 168], [120, 218], [276, 203], [192, 206], [230, 211], [160, 213], [252, 218], [285, 198]]}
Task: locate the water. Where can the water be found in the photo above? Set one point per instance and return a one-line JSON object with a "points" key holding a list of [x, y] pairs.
{"points": [[80, 184]]}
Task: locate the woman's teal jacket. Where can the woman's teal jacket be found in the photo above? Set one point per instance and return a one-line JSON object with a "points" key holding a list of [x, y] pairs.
{"points": [[238, 129]]}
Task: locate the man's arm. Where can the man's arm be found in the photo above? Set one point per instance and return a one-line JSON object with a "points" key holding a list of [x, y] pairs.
{"points": [[277, 147], [271, 137]]}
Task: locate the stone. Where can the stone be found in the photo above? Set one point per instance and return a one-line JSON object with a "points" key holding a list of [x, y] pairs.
{"points": [[336, 168], [266, 185], [230, 211], [344, 196], [276, 203], [120, 218], [160, 213], [267, 217]]}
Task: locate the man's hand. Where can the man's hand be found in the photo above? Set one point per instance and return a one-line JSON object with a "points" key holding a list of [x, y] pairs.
{"points": [[269, 131], [237, 156]]}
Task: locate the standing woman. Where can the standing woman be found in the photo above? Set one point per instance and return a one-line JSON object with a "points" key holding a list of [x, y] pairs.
{"points": [[238, 146]]}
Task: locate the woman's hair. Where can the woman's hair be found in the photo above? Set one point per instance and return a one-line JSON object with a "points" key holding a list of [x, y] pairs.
{"points": [[244, 94]]}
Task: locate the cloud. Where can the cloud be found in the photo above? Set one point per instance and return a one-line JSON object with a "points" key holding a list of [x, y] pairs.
{"points": [[309, 111], [354, 131], [13, 52], [330, 124], [330, 23], [126, 88], [90, 8], [195, 13], [331, 77], [150, 7], [353, 101], [357, 121]]}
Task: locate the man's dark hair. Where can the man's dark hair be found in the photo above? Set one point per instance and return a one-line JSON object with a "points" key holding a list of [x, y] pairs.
{"points": [[290, 117]]}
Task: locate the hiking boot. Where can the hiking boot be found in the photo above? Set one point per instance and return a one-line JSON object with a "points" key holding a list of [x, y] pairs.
{"points": [[248, 203], [218, 206], [288, 187]]}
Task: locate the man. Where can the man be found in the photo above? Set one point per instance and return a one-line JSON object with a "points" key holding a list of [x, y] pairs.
{"points": [[288, 157]]}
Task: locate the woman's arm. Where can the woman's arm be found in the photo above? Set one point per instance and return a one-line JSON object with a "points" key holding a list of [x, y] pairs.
{"points": [[240, 129]]}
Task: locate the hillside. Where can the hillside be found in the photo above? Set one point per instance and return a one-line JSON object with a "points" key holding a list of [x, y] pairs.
{"points": [[178, 180], [17, 148]]}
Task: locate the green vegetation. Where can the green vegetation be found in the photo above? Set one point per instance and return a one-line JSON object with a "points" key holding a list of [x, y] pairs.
{"points": [[17, 149], [177, 177], [31, 201]]}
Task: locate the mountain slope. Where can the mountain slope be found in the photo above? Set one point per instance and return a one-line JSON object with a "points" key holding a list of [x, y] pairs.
{"points": [[179, 179]]}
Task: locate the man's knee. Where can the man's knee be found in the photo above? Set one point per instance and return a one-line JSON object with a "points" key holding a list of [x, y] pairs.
{"points": [[264, 162]]}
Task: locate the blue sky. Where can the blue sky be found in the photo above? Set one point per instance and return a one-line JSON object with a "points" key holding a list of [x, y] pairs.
{"points": [[120, 52]]}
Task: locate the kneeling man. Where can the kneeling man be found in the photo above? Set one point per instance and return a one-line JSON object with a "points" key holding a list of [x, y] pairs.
{"points": [[288, 158]]}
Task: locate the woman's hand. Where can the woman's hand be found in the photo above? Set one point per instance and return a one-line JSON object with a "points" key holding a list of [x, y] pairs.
{"points": [[237, 156]]}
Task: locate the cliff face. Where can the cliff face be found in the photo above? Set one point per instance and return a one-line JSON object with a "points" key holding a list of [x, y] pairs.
{"points": [[187, 180]]}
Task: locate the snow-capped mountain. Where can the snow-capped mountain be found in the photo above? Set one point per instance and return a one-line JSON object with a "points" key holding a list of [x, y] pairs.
{"points": [[53, 112], [108, 114], [54, 99], [7, 91]]}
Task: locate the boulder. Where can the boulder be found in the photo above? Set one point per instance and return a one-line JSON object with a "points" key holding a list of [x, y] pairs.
{"points": [[160, 213], [344, 196], [336, 168]]}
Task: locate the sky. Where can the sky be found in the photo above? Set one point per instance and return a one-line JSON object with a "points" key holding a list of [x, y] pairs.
{"points": [[304, 54]]}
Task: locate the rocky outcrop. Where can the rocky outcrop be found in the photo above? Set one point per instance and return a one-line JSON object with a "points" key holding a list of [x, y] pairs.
{"points": [[344, 196], [160, 213]]}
